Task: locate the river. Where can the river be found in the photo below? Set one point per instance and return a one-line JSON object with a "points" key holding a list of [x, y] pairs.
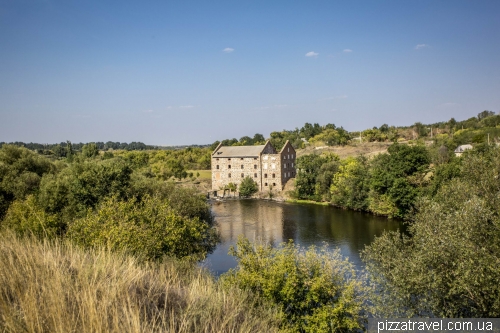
{"points": [[305, 224]]}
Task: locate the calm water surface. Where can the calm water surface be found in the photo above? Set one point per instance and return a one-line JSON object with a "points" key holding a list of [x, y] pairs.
{"points": [[306, 224]]}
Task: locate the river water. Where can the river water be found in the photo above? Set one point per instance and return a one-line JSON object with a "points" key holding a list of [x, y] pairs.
{"points": [[305, 224]]}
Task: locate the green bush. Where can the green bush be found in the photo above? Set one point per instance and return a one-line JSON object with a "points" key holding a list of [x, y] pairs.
{"points": [[25, 217], [248, 187], [317, 291], [149, 229]]}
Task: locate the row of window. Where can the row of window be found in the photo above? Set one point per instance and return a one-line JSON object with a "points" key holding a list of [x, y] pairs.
{"points": [[229, 159], [265, 184], [242, 166], [254, 175], [285, 157]]}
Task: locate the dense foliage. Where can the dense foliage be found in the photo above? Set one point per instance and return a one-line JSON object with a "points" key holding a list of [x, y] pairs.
{"points": [[97, 200], [388, 184], [317, 291], [150, 229], [449, 264]]}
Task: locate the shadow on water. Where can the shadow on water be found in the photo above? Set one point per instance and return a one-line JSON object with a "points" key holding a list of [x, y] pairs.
{"points": [[305, 224]]}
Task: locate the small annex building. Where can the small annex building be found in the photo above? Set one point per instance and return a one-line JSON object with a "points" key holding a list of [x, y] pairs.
{"points": [[461, 149], [269, 168]]}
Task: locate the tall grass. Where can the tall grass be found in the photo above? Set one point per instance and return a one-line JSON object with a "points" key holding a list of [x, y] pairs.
{"points": [[58, 287]]}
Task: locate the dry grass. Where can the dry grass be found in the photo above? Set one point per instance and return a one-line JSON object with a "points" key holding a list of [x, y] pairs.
{"points": [[57, 287], [366, 148]]}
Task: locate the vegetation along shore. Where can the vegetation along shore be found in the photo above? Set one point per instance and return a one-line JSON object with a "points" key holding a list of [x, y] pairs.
{"points": [[98, 237]]}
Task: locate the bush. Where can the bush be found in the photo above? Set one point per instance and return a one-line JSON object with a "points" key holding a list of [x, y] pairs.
{"points": [[150, 229], [316, 291], [25, 217], [248, 187]]}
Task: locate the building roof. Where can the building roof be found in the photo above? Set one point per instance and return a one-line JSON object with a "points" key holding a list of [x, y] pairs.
{"points": [[462, 148], [238, 151]]}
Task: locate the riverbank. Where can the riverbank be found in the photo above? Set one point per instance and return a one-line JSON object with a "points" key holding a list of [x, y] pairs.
{"points": [[322, 203]]}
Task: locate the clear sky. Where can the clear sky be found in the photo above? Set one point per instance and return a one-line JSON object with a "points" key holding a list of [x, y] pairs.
{"points": [[192, 72]]}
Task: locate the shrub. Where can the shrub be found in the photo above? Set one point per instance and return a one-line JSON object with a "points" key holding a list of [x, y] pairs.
{"points": [[248, 187], [150, 229], [317, 291], [26, 217]]}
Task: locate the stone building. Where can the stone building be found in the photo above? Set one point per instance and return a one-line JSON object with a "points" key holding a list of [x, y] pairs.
{"points": [[267, 167]]}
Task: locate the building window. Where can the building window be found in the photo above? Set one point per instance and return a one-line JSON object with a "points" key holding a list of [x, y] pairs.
{"points": [[288, 156], [273, 166], [265, 184], [288, 149], [284, 165], [292, 156], [265, 166], [242, 166], [284, 157], [265, 175], [274, 175], [217, 166], [242, 158], [229, 166], [255, 158], [274, 184], [229, 159], [255, 166], [228, 175], [242, 175], [254, 175], [292, 165], [217, 159], [266, 157]]}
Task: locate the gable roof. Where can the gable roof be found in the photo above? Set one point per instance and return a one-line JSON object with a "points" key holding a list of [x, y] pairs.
{"points": [[238, 151], [284, 146]]}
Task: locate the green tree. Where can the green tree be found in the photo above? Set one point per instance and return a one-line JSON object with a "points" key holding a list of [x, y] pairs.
{"points": [[248, 187], [21, 171], [308, 167], [316, 291], [350, 185], [90, 150], [396, 176]]}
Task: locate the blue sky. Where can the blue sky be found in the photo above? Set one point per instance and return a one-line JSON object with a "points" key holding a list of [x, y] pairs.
{"points": [[190, 72]]}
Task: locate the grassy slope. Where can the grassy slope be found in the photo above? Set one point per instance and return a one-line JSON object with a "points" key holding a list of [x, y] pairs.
{"points": [[56, 287]]}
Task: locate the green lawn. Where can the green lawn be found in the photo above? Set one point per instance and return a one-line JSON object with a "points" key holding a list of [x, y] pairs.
{"points": [[204, 174]]}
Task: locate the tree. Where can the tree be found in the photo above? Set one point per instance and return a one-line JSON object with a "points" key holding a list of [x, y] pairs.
{"points": [[394, 176], [485, 114], [350, 185], [308, 167], [248, 187], [90, 150], [258, 139]]}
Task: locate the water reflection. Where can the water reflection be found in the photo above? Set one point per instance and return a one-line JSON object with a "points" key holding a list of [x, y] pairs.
{"points": [[305, 224]]}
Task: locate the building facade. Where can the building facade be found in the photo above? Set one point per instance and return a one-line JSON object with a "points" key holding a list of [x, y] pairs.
{"points": [[269, 168]]}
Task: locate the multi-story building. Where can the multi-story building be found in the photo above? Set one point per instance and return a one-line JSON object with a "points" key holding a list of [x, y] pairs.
{"points": [[267, 167]]}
